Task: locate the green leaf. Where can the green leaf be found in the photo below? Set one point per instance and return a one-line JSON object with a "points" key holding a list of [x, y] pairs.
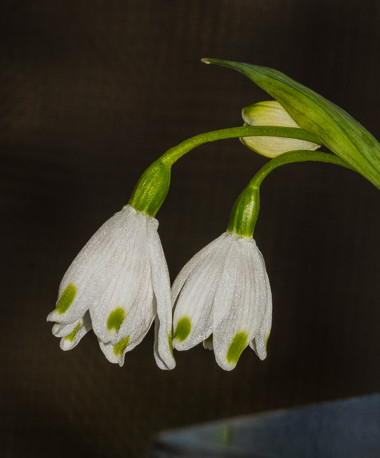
{"points": [[333, 126]]}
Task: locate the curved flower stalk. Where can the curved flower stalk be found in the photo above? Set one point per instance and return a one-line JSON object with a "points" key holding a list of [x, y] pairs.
{"points": [[271, 113], [118, 285], [222, 297]]}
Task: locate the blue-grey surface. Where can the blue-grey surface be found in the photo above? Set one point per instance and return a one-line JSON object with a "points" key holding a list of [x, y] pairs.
{"points": [[340, 429]]}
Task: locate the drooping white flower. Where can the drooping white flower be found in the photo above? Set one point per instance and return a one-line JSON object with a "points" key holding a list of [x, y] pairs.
{"points": [[222, 297], [271, 113], [118, 285]]}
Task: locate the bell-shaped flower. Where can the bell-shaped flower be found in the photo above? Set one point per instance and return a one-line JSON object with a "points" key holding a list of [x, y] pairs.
{"points": [[222, 297], [271, 113], [118, 285]]}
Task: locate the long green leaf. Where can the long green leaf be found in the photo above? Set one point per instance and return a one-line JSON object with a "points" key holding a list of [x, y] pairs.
{"points": [[333, 126]]}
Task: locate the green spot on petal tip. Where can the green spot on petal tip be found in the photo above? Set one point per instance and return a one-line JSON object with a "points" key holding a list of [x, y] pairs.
{"points": [[183, 329], [116, 319], [71, 336], [209, 339], [237, 346], [119, 348], [266, 342], [66, 299]]}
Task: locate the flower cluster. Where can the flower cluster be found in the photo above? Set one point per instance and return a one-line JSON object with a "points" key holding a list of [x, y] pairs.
{"points": [[119, 283]]}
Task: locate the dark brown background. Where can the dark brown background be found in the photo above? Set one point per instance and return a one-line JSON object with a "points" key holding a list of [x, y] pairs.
{"points": [[92, 92]]}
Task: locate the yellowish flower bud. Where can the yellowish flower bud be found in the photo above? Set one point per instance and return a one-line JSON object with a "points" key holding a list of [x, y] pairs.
{"points": [[271, 113]]}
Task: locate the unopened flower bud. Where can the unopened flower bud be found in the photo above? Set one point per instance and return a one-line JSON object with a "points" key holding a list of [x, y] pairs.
{"points": [[271, 113]]}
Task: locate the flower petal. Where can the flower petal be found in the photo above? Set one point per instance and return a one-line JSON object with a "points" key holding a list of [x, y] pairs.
{"points": [[193, 264], [62, 330], [83, 283], [247, 308], [116, 353], [228, 337], [208, 344], [140, 317], [259, 343], [229, 277], [163, 352], [125, 272], [72, 339], [193, 309]]}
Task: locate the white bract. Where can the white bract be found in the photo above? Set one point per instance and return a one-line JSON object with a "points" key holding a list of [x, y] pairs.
{"points": [[271, 113], [118, 285], [222, 297]]}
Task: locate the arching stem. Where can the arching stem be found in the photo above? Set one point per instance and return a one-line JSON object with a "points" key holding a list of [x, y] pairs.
{"points": [[246, 210], [175, 153]]}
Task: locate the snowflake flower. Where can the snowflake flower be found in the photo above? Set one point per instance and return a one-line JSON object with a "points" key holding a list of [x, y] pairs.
{"points": [[222, 297], [118, 285]]}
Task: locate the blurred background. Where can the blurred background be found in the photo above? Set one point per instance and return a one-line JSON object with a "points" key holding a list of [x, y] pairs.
{"points": [[92, 92]]}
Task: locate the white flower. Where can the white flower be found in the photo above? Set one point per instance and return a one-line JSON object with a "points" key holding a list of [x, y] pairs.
{"points": [[118, 285], [222, 297], [271, 113]]}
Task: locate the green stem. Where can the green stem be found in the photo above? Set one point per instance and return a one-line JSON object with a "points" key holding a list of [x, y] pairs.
{"points": [[175, 153], [296, 156], [246, 210]]}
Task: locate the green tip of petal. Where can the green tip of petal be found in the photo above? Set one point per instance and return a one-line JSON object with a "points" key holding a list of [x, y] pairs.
{"points": [[209, 339], [183, 329], [119, 348], [116, 319], [67, 298], [237, 346], [71, 336], [266, 342]]}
